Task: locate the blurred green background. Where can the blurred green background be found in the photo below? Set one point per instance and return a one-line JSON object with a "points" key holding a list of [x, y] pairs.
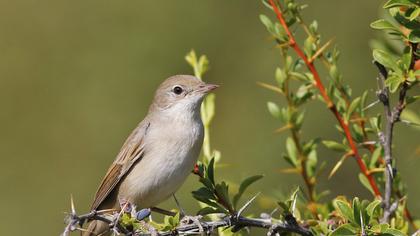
{"points": [[76, 77]]}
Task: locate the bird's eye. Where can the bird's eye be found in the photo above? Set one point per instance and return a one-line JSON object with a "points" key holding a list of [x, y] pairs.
{"points": [[177, 90]]}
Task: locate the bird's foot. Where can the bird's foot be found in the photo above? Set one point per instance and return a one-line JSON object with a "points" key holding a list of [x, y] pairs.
{"points": [[186, 220]]}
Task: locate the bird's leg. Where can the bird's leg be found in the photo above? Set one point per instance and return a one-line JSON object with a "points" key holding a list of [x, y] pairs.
{"points": [[186, 219], [181, 210]]}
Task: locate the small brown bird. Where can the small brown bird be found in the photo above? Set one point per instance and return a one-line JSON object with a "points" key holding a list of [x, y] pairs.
{"points": [[160, 152]]}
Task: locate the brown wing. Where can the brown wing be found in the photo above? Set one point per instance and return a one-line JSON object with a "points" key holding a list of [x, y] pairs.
{"points": [[130, 153]]}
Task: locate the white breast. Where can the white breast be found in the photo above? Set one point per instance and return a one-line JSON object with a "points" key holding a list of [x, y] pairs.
{"points": [[172, 146]]}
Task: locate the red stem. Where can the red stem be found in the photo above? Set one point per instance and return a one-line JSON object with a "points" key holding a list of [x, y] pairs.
{"points": [[327, 99]]}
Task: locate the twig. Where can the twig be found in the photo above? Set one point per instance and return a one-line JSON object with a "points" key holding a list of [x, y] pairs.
{"points": [[207, 227], [386, 140], [331, 106]]}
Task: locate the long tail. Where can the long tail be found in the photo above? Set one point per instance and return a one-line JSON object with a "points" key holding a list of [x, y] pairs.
{"points": [[96, 228]]}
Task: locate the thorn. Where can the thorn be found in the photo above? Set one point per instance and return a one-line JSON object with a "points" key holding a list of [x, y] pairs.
{"points": [[182, 212], [371, 105], [367, 143], [284, 128], [247, 204], [390, 170], [73, 210], [407, 122], [270, 87], [320, 51], [362, 224]]}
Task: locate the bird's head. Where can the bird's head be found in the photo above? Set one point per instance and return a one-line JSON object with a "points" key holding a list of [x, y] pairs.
{"points": [[181, 93]]}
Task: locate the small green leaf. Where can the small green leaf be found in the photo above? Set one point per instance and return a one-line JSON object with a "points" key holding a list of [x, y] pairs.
{"points": [[411, 116], [280, 76], [356, 211], [372, 207], [291, 149], [210, 171], [406, 58], [393, 232], [204, 193], [399, 3], [385, 59], [244, 185], [354, 104], [411, 99], [375, 156], [365, 182], [344, 230], [414, 14], [345, 210], [383, 25], [266, 21], [414, 36], [223, 191], [299, 76], [393, 82], [273, 109], [335, 146]]}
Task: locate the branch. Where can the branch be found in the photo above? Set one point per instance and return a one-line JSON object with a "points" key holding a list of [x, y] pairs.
{"points": [[238, 223], [392, 117], [198, 227], [331, 106], [386, 140]]}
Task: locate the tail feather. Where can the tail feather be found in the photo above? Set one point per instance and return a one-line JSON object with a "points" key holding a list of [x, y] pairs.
{"points": [[97, 228]]}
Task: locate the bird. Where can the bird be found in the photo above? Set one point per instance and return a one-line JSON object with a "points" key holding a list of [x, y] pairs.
{"points": [[159, 154]]}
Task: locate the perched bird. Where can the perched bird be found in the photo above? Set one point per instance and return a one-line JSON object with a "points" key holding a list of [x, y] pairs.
{"points": [[160, 152]]}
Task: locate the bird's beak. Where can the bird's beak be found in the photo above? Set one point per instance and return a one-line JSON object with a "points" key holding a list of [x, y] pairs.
{"points": [[206, 88]]}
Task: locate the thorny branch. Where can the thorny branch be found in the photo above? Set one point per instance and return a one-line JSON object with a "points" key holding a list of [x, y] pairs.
{"points": [[392, 116], [386, 139], [197, 228]]}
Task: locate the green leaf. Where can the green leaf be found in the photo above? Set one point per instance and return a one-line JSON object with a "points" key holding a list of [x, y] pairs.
{"points": [[406, 58], [311, 163], [412, 117], [411, 99], [204, 192], [354, 104], [356, 211], [385, 59], [335, 146], [223, 191], [280, 76], [334, 72], [399, 3], [266, 22], [365, 182], [273, 109], [384, 25], [344, 230], [299, 76], [414, 14], [393, 82], [291, 149], [244, 185], [344, 210], [372, 207], [210, 171], [375, 156], [414, 36], [393, 232]]}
